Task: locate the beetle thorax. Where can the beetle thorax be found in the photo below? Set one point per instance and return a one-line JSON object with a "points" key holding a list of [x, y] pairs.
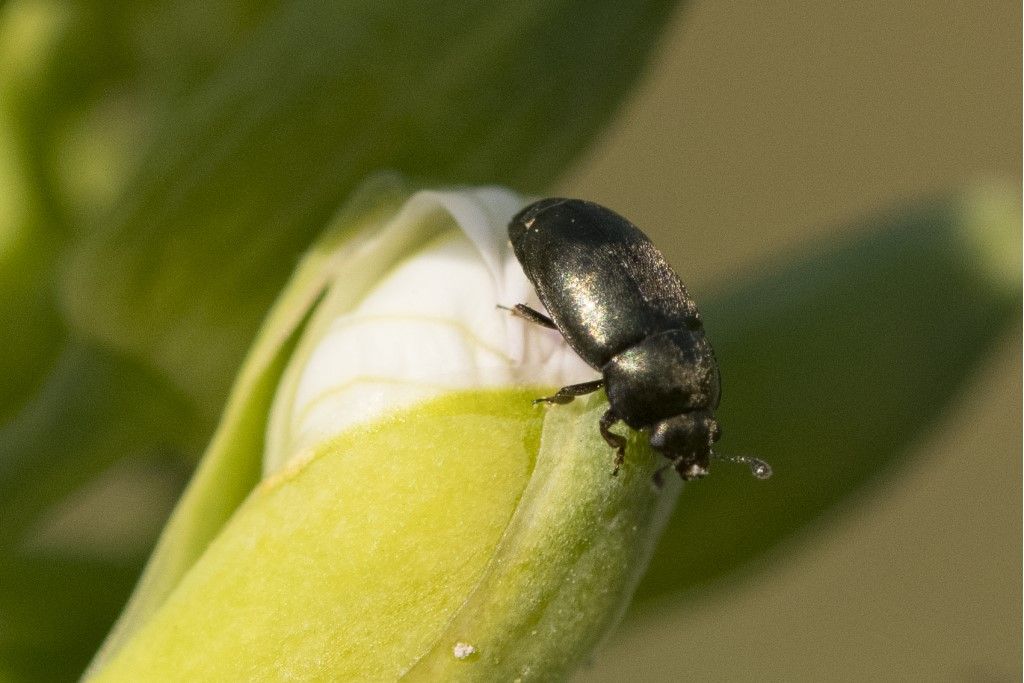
{"points": [[663, 375]]}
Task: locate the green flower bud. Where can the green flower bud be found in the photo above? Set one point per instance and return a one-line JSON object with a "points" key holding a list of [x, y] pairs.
{"points": [[417, 516]]}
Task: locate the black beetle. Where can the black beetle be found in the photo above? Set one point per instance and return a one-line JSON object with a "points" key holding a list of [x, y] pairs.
{"points": [[620, 306]]}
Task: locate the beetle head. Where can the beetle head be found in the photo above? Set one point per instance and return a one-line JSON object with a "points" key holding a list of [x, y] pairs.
{"points": [[686, 440]]}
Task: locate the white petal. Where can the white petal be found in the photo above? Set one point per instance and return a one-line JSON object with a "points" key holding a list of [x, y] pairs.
{"points": [[429, 326]]}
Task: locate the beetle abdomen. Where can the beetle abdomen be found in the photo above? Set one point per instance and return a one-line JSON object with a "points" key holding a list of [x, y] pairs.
{"points": [[602, 281]]}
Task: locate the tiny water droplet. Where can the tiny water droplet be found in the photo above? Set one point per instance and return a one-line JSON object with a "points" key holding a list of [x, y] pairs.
{"points": [[760, 469]]}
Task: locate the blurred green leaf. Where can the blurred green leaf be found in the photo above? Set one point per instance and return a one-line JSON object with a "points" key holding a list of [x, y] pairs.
{"points": [[86, 81], [94, 409], [54, 611], [30, 325], [29, 322], [252, 165], [80, 85], [832, 366]]}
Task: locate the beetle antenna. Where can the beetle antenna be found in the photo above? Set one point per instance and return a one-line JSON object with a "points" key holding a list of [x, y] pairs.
{"points": [[759, 468]]}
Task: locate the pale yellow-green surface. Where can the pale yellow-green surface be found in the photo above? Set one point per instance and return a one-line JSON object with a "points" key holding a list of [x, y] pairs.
{"points": [[455, 522], [759, 127], [324, 560]]}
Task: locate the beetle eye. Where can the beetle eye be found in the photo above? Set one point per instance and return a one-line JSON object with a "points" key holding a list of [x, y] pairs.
{"points": [[716, 432]]}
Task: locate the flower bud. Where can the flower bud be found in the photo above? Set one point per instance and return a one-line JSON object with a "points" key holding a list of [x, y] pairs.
{"points": [[418, 516]]}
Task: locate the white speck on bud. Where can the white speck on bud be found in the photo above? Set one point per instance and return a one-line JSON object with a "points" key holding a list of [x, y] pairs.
{"points": [[463, 650], [430, 325]]}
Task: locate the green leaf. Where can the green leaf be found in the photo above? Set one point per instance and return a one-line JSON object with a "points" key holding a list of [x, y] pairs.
{"points": [[30, 325], [252, 165], [87, 81], [80, 84], [54, 611], [833, 365], [93, 410]]}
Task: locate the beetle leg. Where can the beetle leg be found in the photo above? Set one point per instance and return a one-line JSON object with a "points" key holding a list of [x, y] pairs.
{"points": [[526, 313], [616, 441], [567, 394]]}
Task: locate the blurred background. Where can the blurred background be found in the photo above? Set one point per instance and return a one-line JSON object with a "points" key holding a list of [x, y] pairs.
{"points": [[763, 126], [758, 133]]}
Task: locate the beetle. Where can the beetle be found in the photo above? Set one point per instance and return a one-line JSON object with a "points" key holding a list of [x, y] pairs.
{"points": [[623, 310]]}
